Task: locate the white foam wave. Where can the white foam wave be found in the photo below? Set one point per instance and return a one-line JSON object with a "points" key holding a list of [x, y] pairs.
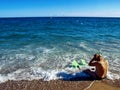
{"points": [[112, 76], [39, 73], [30, 74]]}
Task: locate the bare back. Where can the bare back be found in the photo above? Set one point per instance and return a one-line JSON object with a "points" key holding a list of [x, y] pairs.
{"points": [[102, 68]]}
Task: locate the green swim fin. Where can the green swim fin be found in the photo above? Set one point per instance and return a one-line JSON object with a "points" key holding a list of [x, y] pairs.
{"points": [[83, 62], [75, 64]]}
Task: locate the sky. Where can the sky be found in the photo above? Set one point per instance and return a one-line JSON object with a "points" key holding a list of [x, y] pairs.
{"points": [[43, 8]]}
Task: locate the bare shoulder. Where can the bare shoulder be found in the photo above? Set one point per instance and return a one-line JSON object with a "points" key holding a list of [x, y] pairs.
{"points": [[103, 62], [106, 61]]}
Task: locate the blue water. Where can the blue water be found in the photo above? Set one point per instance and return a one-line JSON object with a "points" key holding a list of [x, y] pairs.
{"points": [[50, 43]]}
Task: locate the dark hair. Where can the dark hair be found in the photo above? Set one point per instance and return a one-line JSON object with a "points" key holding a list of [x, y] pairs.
{"points": [[97, 57]]}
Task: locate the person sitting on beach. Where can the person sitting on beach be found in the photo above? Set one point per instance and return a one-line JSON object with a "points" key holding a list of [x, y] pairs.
{"points": [[101, 67]]}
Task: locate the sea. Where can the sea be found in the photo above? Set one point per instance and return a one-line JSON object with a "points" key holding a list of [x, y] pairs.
{"points": [[41, 47]]}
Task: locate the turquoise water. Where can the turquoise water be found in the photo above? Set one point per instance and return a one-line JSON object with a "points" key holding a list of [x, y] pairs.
{"points": [[36, 47]]}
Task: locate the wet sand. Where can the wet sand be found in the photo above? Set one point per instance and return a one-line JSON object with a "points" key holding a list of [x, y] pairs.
{"points": [[60, 85]]}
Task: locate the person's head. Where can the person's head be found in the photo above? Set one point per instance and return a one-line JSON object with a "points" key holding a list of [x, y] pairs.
{"points": [[97, 57]]}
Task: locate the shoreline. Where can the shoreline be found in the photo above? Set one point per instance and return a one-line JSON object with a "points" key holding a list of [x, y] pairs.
{"points": [[60, 85]]}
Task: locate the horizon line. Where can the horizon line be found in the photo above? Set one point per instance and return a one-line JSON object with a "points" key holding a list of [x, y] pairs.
{"points": [[60, 16]]}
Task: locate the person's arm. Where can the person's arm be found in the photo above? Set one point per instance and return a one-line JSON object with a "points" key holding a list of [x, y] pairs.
{"points": [[107, 64], [92, 62]]}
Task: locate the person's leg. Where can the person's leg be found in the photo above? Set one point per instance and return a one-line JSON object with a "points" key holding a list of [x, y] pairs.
{"points": [[91, 74]]}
